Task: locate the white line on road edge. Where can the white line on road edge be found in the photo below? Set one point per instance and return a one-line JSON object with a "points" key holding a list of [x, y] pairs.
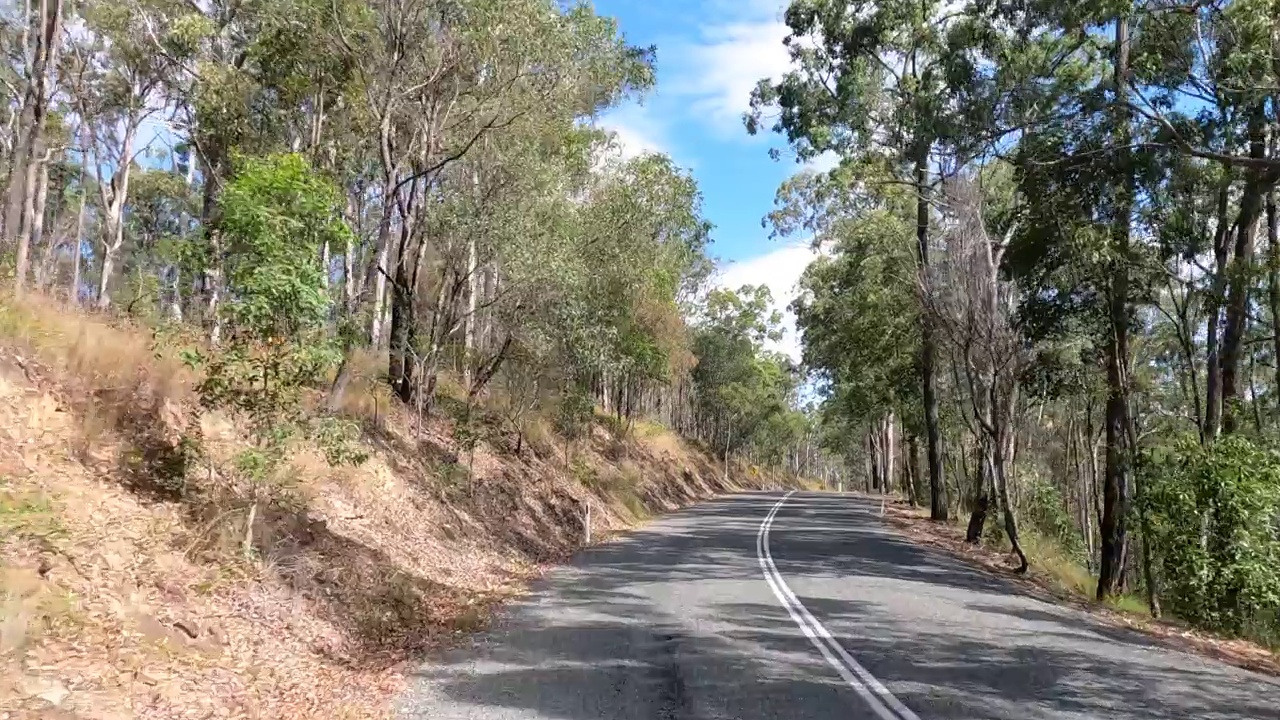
{"points": [[871, 690]]}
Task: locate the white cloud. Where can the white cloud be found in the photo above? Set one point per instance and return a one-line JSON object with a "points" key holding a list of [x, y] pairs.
{"points": [[635, 132], [631, 140], [825, 162], [718, 73], [780, 270]]}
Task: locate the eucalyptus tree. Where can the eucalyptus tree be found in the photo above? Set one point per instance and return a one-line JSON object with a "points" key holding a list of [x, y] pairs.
{"points": [[1204, 76], [744, 392], [975, 311], [40, 37], [869, 83], [117, 88], [859, 309]]}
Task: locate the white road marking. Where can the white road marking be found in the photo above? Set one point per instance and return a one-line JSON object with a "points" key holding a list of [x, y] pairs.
{"points": [[871, 690]]}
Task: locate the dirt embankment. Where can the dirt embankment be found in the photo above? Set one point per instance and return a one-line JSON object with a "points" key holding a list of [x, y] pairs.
{"points": [[126, 587]]}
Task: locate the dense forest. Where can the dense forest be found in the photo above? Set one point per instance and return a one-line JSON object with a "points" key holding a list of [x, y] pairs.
{"points": [[1078, 203], [301, 190], [1048, 291]]}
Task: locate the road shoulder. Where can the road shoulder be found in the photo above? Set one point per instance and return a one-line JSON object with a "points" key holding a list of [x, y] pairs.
{"points": [[914, 524]]}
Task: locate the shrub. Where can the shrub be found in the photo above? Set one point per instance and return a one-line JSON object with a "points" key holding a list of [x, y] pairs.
{"points": [[1047, 515], [1213, 514], [276, 216]]}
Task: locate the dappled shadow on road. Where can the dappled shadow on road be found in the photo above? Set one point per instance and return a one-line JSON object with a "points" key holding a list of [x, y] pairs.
{"points": [[940, 673], [677, 622]]}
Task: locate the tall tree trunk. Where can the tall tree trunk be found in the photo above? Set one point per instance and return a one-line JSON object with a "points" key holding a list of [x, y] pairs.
{"points": [[913, 468], [114, 196], [473, 291], [1002, 446], [873, 461], [175, 296], [928, 349], [1213, 317], [379, 271], [25, 165], [890, 453], [77, 247], [1144, 525], [401, 360], [1084, 491], [1115, 492], [41, 200], [348, 273], [325, 264], [1273, 261], [1257, 186]]}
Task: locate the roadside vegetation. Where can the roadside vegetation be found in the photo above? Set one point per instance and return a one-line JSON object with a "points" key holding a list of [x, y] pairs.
{"points": [[327, 325], [1050, 304]]}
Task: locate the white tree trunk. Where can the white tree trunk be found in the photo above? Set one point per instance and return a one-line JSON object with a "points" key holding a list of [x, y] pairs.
{"points": [[473, 289], [348, 274], [324, 264], [380, 305], [41, 62], [175, 296], [890, 452], [77, 247], [114, 195]]}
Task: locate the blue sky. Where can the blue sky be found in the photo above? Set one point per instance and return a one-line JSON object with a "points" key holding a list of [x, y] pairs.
{"points": [[710, 54]]}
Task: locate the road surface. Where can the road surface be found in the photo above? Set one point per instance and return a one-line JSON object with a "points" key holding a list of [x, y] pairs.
{"points": [[808, 607]]}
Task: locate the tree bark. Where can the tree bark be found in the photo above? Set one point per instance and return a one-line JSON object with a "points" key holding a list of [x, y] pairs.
{"points": [[41, 202], [473, 291], [1273, 261], [77, 248], [1257, 186], [913, 469], [1115, 485], [1213, 312], [25, 165], [379, 269], [890, 453], [1002, 445], [928, 349]]}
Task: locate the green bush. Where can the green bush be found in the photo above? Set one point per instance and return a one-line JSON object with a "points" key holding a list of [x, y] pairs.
{"points": [[1047, 515], [1213, 514]]}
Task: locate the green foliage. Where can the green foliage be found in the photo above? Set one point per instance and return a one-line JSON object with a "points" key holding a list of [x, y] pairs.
{"points": [[338, 439], [276, 214], [574, 414], [858, 313], [747, 388], [1044, 511], [583, 472], [1213, 513]]}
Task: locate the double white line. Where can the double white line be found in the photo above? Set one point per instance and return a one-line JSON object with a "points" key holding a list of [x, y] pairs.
{"points": [[882, 702]]}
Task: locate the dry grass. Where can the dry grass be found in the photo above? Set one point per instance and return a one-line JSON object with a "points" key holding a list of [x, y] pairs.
{"points": [[366, 399], [114, 357], [123, 591]]}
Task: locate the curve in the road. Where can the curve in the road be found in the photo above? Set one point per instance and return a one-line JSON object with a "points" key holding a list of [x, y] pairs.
{"points": [[872, 691], [673, 622]]}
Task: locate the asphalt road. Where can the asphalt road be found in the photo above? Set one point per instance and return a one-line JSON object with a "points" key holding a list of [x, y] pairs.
{"points": [[746, 610]]}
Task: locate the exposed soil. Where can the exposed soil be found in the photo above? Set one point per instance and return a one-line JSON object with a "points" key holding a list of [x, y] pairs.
{"points": [[125, 590]]}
